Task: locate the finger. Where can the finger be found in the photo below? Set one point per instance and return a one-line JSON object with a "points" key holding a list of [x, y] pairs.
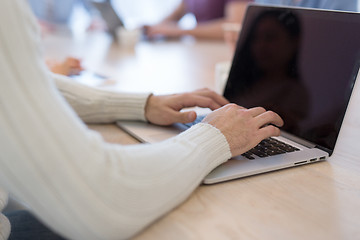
{"points": [[256, 111], [221, 100], [75, 63], [184, 117], [192, 100], [268, 131], [269, 117], [234, 106]]}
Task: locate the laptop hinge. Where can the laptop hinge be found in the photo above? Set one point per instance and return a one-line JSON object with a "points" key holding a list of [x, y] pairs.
{"points": [[304, 142], [297, 139], [329, 151]]}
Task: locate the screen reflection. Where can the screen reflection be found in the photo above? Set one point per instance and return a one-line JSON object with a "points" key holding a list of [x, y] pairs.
{"points": [[300, 63]]}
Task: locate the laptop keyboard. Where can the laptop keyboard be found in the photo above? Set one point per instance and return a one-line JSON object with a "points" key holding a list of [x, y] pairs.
{"points": [[197, 120], [269, 147]]}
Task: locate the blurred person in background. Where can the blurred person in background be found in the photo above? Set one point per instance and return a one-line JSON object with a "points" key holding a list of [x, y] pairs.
{"points": [[53, 14], [209, 14], [54, 17]]}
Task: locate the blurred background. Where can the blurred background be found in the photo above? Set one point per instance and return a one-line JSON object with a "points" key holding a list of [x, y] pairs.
{"points": [[78, 15]]}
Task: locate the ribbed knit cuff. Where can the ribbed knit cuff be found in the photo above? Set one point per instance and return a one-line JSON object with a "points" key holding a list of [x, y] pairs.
{"points": [[125, 106], [212, 142], [3, 199], [4, 222], [96, 105], [5, 227]]}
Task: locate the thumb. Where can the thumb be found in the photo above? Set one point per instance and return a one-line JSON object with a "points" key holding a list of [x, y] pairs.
{"points": [[186, 117]]}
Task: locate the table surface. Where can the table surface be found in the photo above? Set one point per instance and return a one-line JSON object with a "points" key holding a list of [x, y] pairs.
{"points": [[316, 201]]}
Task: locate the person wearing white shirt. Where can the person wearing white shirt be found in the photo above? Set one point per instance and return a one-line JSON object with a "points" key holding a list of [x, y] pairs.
{"points": [[75, 183], [56, 12]]}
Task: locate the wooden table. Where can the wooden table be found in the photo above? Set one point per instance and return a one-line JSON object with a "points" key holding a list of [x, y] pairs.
{"points": [[317, 201]]}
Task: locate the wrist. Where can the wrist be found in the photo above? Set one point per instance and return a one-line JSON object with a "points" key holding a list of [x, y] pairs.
{"points": [[148, 106]]}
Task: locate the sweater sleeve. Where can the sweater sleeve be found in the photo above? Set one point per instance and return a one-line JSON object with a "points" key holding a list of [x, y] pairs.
{"points": [[101, 106], [78, 185], [4, 222]]}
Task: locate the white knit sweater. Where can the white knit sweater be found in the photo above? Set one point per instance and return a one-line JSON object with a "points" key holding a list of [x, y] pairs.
{"points": [[80, 186]]}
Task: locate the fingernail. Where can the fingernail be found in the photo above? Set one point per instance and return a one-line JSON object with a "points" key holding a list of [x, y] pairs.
{"points": [[191, 116]]}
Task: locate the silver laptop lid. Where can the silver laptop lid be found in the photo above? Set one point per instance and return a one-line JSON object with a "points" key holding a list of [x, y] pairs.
{"points": [[301, 63], [109, 15]]}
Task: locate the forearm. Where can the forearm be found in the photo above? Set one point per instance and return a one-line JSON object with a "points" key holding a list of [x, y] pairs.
{"points": [[80, 186], [234, 13], [91, 190], [209, 30], [100, 106]]}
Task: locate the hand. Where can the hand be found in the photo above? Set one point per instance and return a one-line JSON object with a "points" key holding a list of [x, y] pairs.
{"points": [[244, 128], [231, 33], [168, 29], [70, 66], [165, 110]]}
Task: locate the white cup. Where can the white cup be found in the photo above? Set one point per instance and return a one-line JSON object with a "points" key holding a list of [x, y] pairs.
{"points": [[231, 33], [128, 38], [222, 70]]}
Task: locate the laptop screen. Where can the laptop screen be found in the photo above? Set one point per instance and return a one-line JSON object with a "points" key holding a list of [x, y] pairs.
{"points": [[300, 63]]}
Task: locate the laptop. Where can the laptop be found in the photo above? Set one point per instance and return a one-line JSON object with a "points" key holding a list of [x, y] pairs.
{"points": [[109, 15], [301, 63]]}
